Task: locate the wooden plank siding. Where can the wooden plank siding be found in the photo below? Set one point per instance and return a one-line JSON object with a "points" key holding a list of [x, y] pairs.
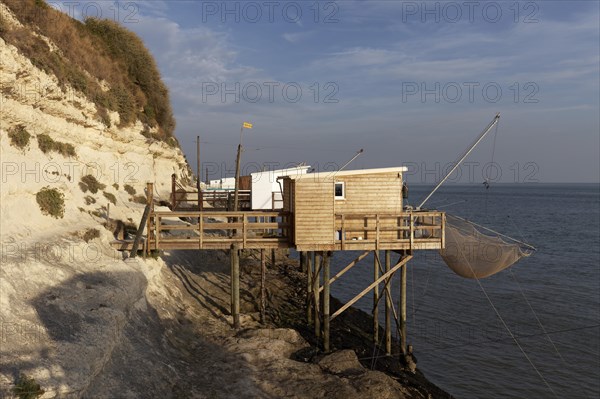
{"points": [[371, 194], [313, 212], [314, 206], [380, 193]]}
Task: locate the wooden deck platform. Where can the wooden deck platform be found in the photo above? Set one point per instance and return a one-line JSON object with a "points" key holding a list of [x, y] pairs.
{"points": [[194, 230]]}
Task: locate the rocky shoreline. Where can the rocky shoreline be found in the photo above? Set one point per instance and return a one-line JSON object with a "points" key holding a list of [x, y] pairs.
{"points": [[351, 332]]}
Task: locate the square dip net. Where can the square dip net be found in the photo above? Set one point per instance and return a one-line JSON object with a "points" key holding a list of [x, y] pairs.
{"points": [[473, 254]]}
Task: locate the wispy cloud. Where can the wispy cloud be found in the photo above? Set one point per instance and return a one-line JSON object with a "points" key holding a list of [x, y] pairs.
{"points": [[368, 55], [297, 37]]}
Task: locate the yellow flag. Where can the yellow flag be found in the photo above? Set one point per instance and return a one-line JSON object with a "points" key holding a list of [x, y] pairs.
{"points": [[247, 125]]}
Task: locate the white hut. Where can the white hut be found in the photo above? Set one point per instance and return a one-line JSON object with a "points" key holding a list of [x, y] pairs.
{"points": [[267, 191]]}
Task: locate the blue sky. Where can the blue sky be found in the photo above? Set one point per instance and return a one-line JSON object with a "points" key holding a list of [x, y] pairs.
{"points": [[410, 82]]}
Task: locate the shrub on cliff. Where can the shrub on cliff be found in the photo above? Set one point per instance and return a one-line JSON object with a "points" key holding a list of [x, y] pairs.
{"points": [[110, 196], [129, 189], [89, 182], [19, 137], [90, 234], [51, 202], [27, 388], [47, 144]]}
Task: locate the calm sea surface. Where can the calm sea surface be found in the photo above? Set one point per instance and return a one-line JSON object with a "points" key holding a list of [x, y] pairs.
{"points": [[459, 341]]}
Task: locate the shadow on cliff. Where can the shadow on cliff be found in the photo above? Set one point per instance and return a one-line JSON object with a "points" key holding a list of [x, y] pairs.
{"points": [[205, 275], [101, 338]]}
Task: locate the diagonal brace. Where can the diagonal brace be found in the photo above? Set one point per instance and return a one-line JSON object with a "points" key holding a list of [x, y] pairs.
{"points": [[398, 265], [345, 269]]}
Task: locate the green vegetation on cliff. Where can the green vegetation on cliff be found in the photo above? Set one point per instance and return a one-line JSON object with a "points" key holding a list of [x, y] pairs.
{"points": [[89, 56]]}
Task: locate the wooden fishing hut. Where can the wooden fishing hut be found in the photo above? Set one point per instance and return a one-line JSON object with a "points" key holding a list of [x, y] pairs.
{"points": [[356, 210]]}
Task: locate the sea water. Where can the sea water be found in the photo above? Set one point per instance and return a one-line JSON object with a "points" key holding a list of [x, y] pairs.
{"points": [[459, 336]]}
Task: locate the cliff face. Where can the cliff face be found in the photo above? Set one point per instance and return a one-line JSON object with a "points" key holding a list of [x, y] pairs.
{"points": [[65, 296], [36, 103]]}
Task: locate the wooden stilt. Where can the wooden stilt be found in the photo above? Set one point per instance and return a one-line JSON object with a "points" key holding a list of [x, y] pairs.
{"points": [[388, 305], [375, 297], [145, 222], [150, 202], [273, 257], [263, 288], [309, 285], [235, 285], [326, 262], [315, 290], [403, 309], [173, 191]]}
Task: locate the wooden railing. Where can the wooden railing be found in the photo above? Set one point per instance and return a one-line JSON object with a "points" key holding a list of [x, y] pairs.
{"points": [[277, 200], [218, 230], [209, 200], [223, 199], [417, 230], [180, 195]]}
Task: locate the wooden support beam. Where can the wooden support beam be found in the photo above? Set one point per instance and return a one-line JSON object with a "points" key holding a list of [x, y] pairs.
{"points": [[398, 265], [235, 284], [376, 267], [149, 201], [403, 307], [200, 231], [326, 263], [309, 284], [388, 305], [315, 290], [350, 266], [263, 288], [173, 191], [303, 261], [143, 222]]}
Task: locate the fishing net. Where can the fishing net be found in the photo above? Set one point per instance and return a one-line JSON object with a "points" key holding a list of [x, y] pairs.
{"points": [[472, 254]]}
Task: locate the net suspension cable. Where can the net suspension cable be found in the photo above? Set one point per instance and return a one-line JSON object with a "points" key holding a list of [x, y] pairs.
{"points": [[529, 303], [513, 337]]}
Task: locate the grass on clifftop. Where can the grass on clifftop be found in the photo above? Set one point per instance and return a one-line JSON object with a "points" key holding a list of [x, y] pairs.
{"points": [[92, 52]]}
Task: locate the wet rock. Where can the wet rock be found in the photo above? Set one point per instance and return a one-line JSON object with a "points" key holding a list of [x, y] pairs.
{"points": [[282, 334], [306, 355], [343, 362]]}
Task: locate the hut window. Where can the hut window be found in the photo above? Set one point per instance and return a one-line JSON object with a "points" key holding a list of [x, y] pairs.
{"points": [[340, 190]]}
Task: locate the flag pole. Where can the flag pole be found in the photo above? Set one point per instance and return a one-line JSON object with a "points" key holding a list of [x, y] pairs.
{"points": [[237, 172], [237, 167], [198, 173]]}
